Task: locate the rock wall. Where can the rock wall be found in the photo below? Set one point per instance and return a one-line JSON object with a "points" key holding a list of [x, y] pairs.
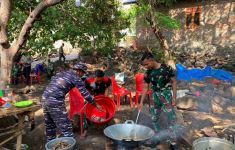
{"points": [[212, 42]]}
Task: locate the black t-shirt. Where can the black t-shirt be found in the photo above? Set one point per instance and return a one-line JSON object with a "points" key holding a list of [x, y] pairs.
{"points": [[97, 88]]}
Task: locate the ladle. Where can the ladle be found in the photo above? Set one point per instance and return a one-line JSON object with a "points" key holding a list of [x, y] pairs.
{"points": [[137, 117]]}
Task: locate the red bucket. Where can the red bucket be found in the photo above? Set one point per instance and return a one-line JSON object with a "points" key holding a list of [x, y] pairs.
{"points": [[101, 117]]}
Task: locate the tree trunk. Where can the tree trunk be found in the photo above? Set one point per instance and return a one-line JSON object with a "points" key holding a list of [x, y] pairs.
{"points": [[5, 13], [161, 39], [163, 43], [30, 21], [7, 51], [6, 64]]}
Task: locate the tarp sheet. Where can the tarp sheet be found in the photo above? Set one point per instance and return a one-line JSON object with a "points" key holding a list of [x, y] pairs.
{"points": [[200, 74]]}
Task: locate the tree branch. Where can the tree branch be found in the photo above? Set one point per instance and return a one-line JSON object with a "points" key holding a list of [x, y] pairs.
{"points": [[30, 21], [72, 17], [5, 13], [156, 30]]}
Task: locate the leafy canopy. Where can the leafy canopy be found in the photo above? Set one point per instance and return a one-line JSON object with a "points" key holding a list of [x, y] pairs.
{"points": [[94, 26], [145, 7]]}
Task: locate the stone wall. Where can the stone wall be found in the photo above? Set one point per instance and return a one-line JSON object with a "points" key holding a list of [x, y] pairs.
{"points": [[211, 43], [144, 36]]}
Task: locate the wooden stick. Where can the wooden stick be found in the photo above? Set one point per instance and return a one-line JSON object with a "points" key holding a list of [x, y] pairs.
{"points": [[8, 128], [224, 126], [9, 132], [19, 137], [13, 136]]}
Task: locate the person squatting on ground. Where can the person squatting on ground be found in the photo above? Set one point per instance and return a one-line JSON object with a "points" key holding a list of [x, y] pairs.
{"points": [[99, 84], [53, 100], [161, 78]]}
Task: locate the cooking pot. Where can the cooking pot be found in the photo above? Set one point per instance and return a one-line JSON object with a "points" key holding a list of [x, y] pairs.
{"points": [[128, 132], [212, 143]]}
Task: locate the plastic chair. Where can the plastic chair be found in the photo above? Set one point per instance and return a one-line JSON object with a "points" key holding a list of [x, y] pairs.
{"points": [[35, 76], [139, 85], [120, 91], [77, 104]]}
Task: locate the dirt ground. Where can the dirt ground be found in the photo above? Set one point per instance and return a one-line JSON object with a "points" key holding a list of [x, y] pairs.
{"points": [[95, 139]]}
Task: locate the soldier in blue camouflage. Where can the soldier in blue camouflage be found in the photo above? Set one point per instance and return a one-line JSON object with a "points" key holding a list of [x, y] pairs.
{"points": [[53, 100], [161, 79]]}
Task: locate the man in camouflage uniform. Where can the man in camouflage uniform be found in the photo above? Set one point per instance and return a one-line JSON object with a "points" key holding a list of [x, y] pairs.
{"points": [[53, 104], [161, 77]]}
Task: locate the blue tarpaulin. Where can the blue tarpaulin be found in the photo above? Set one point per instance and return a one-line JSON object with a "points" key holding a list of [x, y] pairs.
{"points": [[199, 74]]}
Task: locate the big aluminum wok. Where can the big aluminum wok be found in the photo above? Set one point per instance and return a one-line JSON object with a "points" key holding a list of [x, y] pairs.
{"points": [[128, 132]]}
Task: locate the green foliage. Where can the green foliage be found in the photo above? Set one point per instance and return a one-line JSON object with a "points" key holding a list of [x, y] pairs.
{"points": [[165, 2], [158, 54], [101, 25], [164, 21], [95, 26]]}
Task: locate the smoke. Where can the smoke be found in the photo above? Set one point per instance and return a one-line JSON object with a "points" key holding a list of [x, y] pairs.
{"points": [[214, 103], [165, 133], [168, 134]]}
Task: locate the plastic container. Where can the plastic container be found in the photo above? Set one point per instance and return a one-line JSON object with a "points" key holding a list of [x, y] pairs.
{"points": [[23, 104], [1, 93], [70, 140], [181, 93], [108, 107], [212, 143], [8, 92]]}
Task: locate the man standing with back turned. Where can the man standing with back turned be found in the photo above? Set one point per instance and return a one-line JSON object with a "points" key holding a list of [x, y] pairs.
{"points": [[161, 79]]}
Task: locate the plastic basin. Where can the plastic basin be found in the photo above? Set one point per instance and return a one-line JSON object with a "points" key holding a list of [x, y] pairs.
{"points": [[212, 143], [23, 104], [108, 107], [70, 140]]}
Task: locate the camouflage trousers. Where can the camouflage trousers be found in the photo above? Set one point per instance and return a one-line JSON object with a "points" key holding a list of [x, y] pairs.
{"points": [[162, 103], [56, 117]]}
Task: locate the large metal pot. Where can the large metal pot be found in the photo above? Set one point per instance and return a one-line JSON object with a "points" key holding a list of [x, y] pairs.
{"points": [[211, 143], [128, 132]]}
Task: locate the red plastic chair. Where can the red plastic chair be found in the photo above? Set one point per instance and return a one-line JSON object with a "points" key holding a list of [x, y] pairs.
{"points": [[120, 91], [77, 104], [139, 85], [35, 76]]}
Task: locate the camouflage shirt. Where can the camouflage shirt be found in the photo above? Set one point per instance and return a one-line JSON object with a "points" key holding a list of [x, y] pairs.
{"points": [[61, 84], [160, 78]]}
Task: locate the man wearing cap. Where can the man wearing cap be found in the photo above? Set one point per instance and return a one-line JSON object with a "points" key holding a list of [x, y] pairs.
{"points": [[99, 84], [53, 98]]}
